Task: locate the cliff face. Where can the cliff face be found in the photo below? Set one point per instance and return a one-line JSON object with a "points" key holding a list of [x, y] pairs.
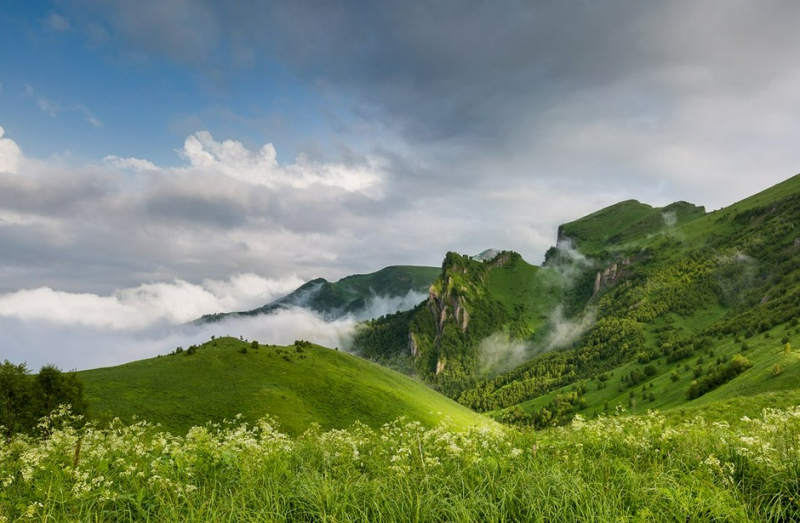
{"points": [[444, 338], [443, 307], [610, 275]]}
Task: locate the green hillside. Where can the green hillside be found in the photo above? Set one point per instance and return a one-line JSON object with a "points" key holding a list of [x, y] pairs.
{"points": [[636, 307], [475, 313], [297, 385], [691, 314], [350, 295], [625, 222]]}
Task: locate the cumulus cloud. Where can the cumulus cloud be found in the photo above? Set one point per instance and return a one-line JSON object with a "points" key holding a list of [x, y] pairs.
{"points": [[135, 164], [10, 154], [233, 159], [229, 209]]}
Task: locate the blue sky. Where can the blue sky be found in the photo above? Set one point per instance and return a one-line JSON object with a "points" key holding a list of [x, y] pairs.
{"points": [[155, 153], [74, 86]]}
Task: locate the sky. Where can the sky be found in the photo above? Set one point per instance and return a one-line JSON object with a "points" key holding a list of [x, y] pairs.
{"points": [[163, 159]]}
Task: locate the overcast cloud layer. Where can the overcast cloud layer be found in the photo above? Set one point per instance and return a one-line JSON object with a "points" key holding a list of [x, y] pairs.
{"points": [[160, 146]]}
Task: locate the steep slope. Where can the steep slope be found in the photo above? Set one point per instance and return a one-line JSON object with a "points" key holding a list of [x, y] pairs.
{"points": [[470, 325], [298, 385], [350, 295], [699, 309]]}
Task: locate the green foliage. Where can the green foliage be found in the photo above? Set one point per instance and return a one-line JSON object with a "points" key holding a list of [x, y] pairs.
{"points": [[719, 375], [616, 468], [24, 399]]}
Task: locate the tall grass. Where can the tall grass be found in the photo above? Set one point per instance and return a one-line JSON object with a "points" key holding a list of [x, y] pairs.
{"points": [[637, 468]]}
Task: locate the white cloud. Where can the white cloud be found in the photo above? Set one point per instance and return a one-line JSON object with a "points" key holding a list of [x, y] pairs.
{"points": [[146, 305], [134, 164], [10, 154], [261, 167], [81, 346]]}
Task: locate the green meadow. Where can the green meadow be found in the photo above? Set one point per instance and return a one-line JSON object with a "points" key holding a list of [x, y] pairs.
{"points": [[299, 385]]}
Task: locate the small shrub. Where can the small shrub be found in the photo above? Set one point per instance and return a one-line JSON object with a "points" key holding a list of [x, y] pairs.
{"points": [[776, 370]]}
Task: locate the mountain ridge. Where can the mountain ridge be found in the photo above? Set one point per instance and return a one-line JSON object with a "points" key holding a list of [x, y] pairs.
{"points": [[350, 295], [630, 287]]}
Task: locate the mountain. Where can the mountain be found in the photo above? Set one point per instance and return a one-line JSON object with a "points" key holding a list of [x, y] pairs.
{"points": [[635, 306], [475, 314], [350, 295], [298, 385]]}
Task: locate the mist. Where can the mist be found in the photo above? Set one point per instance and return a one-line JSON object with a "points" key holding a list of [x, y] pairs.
{"points": [[564, 331], [383, 305], [80, 346], [498, 353], [84, 331]]}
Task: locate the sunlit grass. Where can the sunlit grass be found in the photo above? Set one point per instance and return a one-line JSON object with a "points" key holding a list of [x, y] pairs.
{"points": [[617, 468]]}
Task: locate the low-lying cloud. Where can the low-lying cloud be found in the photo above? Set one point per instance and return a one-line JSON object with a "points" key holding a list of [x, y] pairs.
{"points": [[81, 330], [80, 346], [148, 304], [565, 331], [383, 305], [498, 353]]}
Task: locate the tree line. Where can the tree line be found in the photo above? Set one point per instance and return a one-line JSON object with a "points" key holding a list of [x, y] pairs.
{"points": [[26, 398]]}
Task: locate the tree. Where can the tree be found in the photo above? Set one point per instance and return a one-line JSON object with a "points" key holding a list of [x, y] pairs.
{"points": [[24, 399], [15, 398], [52, 388]]}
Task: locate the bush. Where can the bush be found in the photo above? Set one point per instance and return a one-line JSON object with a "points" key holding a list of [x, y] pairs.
{"points": [[718, 376]]}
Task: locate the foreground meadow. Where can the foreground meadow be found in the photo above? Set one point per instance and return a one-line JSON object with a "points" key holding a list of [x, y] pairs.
{"points": [[618, 468]]}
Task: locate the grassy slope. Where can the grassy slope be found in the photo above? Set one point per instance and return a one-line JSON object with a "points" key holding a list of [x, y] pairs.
{"points": [[526, 288], [626, 224], [606, 231], [746, 395], [318, 385]]}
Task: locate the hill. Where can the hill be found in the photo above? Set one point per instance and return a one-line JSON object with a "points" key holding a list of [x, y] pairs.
{"points": [[297, 385], [702, 310], [636, 306], [351, 295]]}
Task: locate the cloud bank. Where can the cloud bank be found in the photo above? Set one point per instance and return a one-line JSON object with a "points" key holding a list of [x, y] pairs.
{"points": [[82, 330]]}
